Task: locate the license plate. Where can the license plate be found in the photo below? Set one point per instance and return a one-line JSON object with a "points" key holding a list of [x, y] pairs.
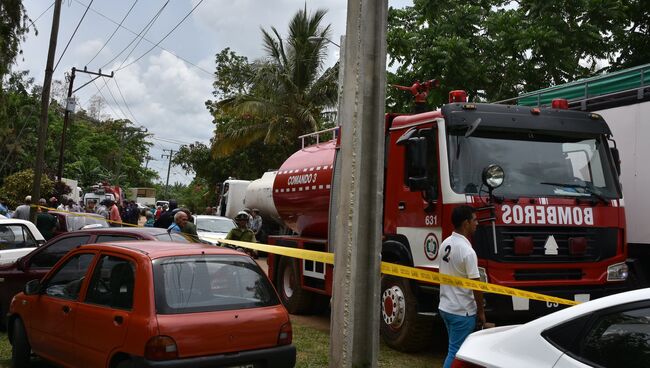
{"points": [[251, 365]]}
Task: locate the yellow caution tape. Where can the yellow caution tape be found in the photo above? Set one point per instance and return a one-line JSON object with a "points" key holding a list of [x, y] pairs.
{"points": [[386, 268], [403, 271]]}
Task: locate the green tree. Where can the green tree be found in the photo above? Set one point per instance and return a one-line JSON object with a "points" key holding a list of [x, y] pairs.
{"points": [[278, 98], [13, 28], [496, 49]]}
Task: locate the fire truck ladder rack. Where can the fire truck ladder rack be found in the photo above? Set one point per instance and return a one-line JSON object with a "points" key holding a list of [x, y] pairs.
{"points": [[318, 134], [627, 86]]}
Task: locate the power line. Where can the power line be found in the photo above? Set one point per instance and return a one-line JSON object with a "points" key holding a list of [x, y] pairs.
{"points": [[104, 97], [114, 99], [113, 34], [43, 13], [146, 39], [138, 36], [124, 100], [172, 141], [162, 39], [73, 33]]}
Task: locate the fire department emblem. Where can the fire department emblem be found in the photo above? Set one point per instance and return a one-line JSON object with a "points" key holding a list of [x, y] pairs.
{"points": [[431, 246]]}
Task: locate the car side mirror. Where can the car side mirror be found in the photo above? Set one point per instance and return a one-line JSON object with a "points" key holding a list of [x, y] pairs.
{"points": [[32, 287], [21, 264], [416, 161]]}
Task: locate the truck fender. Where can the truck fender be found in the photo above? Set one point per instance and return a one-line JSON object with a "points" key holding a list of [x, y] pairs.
{"points": [[396, 250]]}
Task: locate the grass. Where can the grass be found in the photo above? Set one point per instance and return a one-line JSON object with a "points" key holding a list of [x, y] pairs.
{"points": [[312, 347]]}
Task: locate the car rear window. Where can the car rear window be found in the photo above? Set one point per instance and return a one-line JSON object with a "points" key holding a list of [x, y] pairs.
{"points": [[192, 284], [75, 222], [175, 237]]}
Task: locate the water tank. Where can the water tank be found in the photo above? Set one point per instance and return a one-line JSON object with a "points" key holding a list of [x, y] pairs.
{"points": [[259, 194], [301, 189]]}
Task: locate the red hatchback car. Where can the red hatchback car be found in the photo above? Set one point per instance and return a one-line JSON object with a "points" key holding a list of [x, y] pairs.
{"points": [[152, 304], [37, 263]]}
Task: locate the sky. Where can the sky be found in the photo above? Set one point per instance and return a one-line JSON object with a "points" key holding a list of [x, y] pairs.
{"points": [[165, 89]]}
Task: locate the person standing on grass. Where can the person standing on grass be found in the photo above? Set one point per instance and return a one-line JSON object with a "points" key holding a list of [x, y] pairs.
{"points": [[460, 308]]}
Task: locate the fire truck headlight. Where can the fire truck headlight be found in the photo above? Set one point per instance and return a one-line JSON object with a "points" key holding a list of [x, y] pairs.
{"points": [[493, 176], [617, 272]]}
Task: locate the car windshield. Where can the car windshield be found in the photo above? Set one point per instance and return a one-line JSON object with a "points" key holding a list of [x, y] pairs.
{"points": [[192, 284], [534, 164], [214, 224], [78, 222]]}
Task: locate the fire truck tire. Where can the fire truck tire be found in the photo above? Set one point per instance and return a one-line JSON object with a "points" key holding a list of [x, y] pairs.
{"points": [[402, 328], [294, 298]]}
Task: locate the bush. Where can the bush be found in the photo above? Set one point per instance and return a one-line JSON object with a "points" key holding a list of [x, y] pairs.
{"points": [[19, 185]]}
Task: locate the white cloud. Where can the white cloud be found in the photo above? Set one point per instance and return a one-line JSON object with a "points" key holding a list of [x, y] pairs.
{"points": [[165, 94]]}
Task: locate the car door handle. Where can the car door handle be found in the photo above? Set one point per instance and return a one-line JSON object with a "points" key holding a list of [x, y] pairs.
{"points": [[118, 319], [66, 309]]}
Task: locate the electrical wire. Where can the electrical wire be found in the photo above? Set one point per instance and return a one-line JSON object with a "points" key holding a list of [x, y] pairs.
{"points": [[124, 100], [114, 99], [146, 39], [113, 34], [162, 39], [39, 17], [73, 34], [138, 36], [104, 97]]}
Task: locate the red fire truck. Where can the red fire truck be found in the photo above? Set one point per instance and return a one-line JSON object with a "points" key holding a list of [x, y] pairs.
{"points": [[544, 182]]}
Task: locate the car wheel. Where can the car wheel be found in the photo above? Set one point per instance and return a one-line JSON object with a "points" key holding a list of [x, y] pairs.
{"points": [[294, 298], [401, 327], [128, 363], [20, 350]]}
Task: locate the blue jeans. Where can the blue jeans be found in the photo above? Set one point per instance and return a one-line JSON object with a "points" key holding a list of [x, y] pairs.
{"points": [[458, 328]]}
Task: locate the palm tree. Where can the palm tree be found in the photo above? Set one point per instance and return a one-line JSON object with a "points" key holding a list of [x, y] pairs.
{"points": [[289, 91]]}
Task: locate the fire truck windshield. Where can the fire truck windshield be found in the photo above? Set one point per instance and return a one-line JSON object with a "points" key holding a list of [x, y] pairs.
{"points": [[534, 164]]}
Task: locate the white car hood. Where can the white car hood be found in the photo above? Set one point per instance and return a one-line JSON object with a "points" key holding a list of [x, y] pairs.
{"points": [[11, 255]]}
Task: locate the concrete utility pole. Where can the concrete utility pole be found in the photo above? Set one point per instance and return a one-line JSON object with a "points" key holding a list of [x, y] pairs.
{"points": [[169, 168], [45, 103], [69, 108], [354, 332]]}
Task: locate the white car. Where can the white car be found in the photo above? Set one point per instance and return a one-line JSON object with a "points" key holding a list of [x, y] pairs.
{"points": [[613, 331], [17, 238], [213, 228]]}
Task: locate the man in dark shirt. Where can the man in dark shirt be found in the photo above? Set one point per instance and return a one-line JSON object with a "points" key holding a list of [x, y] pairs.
{"points": [[167, 217], [45, 222]]}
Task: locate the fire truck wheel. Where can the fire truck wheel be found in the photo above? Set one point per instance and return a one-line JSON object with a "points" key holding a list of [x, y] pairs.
{"points": [[294, 298], [401, 327]]}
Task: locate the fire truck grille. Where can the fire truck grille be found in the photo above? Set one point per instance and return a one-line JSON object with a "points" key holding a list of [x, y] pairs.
{"points": [[601, 243], [553, 274]]}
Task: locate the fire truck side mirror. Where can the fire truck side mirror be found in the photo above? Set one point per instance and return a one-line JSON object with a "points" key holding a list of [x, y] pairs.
{"points": [[416, 164], [617, 159]]}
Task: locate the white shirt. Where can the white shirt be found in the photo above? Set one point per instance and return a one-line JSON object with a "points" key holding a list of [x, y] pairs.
{"points": [[458, 259]]}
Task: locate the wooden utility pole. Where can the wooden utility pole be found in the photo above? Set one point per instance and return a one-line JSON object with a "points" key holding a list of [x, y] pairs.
{"points": [[45, 104], [69, 108], [354, 332], [170, 155]]}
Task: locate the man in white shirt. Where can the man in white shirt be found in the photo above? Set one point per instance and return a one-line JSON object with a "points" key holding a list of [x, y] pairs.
{"points": [[459, 307]]}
